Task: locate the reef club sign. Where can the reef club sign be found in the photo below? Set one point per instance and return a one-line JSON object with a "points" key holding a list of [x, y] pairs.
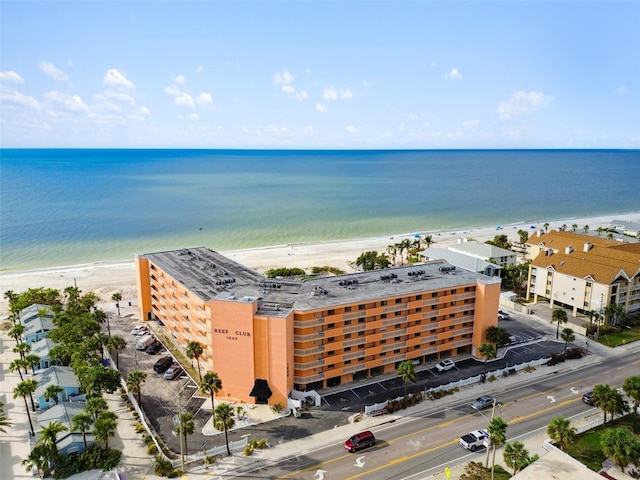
{"points": [[232, 335]]}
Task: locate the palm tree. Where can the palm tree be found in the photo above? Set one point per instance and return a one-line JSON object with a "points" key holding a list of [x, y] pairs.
{"points": [[95, 405], [49, 437], [392, 250], [118, 344], [561, 432], [32, 360], [428, 240], [82, 423], [563, 228], [559, 315], [211, 384], [16, 331], [17, 364], [631, 387], [487, 351], [135, 379], [497, 436], [574, 226], [38, 460], [609, 400], [52, 392], [515, 456], [523, 235], [546, 227], [568, 336], [407, 372], [105, 426], [621, 446], [497, 335], [22, 349], [194, 351], [223, 420], [23, 389], [586, 228], [4, 420], [184, 428], [403, 246], [117, 297]]}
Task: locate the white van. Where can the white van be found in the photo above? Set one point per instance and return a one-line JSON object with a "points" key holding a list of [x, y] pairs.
{"points": [[144, 342]]}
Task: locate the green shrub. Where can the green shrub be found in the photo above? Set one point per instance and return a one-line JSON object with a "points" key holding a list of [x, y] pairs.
{"points": [[277, 408], [248, 451], [152, 449], [211, 459], [139, 427], [162, 467]]}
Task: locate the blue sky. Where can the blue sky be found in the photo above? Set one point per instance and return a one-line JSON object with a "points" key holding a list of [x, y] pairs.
{"points": [[320, 74]]}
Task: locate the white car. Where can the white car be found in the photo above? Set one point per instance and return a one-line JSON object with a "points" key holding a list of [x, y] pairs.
{"points": [[139, 328], [503, 315], [444, 365]]}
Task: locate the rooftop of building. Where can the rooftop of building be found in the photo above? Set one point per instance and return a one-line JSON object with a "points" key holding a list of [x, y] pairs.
{"points": [[584, 256], [212, 276]]}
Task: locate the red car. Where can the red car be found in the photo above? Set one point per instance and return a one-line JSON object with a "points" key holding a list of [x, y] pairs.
{"points": [[359, 441]]}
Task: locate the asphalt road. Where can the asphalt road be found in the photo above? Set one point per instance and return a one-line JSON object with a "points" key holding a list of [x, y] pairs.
{"points": [[423, 444]]}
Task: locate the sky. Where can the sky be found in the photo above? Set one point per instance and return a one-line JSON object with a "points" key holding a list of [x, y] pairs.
{"points": [[317, 74]]}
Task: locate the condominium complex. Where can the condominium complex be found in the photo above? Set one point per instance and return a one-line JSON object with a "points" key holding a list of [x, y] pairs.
{"points": [[265, 337], [584, 273]]}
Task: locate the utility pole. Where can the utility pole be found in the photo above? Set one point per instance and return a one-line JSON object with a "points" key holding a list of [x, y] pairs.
{"points": [[180, 419], [493, 412]]}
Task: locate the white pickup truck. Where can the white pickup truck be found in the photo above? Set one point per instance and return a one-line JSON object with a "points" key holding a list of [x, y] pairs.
{"points": [[474, 440]]}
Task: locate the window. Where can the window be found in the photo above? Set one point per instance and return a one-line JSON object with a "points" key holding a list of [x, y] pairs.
{"points": [[383, 354], [361, 334], [331, 352], [451, 315], [347, 309], [347, 349], [331, 339], [589, 284], [396, 339], [398, 313], [347, 362], [347, 335], [397, 350], [416, 334], [361, 320], [434, 307], [384, 315], [418, 297], [398, 300], [383, 303], [331, 312], [454, 291], [331, 366], [419, 309], [361, 359], [361, 306], [347, 322], [452, 303], [434, 294], [331, 325], [384, 340], [361, 346]]}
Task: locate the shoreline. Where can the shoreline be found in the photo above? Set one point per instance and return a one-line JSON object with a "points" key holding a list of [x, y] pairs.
{"points": [[105, 278]]}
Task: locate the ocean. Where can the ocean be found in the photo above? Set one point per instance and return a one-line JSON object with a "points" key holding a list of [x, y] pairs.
{"points": [[74, 206]]}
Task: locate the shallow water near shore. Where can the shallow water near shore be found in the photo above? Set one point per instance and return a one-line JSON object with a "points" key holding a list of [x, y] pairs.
{"points": [[61, 207]]}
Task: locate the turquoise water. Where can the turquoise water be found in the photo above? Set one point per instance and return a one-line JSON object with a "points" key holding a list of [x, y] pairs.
{"points": [[60, 207]]}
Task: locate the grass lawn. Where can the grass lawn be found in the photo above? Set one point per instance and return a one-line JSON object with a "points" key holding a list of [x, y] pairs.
{"points": [[626, 335], [587, 449]]}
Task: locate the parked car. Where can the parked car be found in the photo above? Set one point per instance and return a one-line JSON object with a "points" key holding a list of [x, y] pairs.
{"points": [[173, 372], [588, 398], [444, 365], [138, 328], [359, 441], [483, 402], [144, 342], [162, 364], [154, 348], [142, 333]]}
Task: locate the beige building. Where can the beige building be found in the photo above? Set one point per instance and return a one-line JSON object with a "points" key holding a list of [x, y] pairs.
{"points": [[583, 273], [265, 337]]}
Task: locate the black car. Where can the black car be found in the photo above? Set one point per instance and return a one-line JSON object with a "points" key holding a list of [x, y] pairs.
{"points": [[162, 364], [588, 398], [154, 348]]}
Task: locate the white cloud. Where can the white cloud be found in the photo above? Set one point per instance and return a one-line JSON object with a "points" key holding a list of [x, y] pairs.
{"points": [[11, 77], [185, 100], [121, 97], [180, 80], [199, 69], [144, 111], [521, 103], [333, 93], [18, 98], [621, 89], [302, 95], [350, 129], [73, 103], [173, 90], [454, 74], [113, 78], [284, 78], [433, 63], [50, 70], [330, 93], [321, 108], [204, 98], [288, 89], [470, 123]]}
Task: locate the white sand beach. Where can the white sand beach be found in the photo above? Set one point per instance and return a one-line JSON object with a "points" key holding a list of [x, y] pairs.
{"points": [[106, 278]]}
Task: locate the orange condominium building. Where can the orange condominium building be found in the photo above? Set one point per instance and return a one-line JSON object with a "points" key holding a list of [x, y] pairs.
{"points": [[265, 337]]}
